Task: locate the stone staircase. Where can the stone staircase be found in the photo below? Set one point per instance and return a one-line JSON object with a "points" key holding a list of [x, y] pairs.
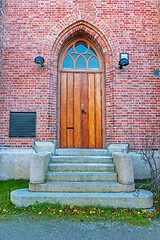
{"points": [[80, 177], [81, 171]]}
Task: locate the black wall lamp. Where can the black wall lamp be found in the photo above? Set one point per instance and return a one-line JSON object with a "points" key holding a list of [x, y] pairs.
{"points": [[39, 61], [124, 60]]}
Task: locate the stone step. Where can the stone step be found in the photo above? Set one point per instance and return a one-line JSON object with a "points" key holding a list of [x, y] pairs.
{"points": [[81, 176], [22, 197], [81, 159], [82, 167], [81, 152], [81, 187]]}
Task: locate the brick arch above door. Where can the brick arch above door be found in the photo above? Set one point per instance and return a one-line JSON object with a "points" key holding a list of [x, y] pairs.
{"points": [[93, 34], [106, 42]]}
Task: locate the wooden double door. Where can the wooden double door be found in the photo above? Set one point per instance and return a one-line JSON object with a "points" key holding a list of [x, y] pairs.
{"points": [[80, 110]]}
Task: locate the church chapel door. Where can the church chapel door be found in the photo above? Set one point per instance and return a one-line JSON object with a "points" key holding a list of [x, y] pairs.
{"points": [[80, 97]]}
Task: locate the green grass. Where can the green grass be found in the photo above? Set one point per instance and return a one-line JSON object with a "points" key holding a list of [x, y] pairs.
{"points": [[88, 213]]}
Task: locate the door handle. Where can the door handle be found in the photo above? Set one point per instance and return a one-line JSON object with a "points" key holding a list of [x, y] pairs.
{"points": [[83, 111]]}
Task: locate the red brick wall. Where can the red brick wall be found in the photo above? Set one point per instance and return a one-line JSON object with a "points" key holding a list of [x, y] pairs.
{"points": [[34, 28]]}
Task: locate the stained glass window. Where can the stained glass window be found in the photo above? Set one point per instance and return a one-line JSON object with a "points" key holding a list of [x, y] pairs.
{"points": [[80, 56], [80, 63], [81, 47], [93, 63], [68, 63]]}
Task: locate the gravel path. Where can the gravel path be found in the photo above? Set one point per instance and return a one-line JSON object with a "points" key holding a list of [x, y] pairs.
{"points": [[26, 229]]}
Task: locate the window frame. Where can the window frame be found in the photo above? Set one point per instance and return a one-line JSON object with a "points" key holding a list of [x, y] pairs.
{"points": [[73, 42]]}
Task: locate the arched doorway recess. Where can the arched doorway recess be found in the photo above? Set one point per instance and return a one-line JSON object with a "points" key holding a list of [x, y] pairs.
{"points": [[103, 38], [81, 118]]}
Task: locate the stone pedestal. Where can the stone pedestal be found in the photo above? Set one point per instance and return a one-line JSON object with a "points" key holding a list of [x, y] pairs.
{"points": [[39, 167], [124, 168], [48, 146], [118, 147]]}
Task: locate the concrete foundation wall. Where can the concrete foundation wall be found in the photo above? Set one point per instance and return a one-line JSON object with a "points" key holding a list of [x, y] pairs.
{"points": [[141, 168], [15, 163]]}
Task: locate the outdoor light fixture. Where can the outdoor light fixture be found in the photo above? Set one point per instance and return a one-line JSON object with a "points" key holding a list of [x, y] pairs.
{"points": [[124, 60], [39, 61]]}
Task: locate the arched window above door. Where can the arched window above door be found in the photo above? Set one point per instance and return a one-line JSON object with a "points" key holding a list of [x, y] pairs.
{"points": [[80, 56]]}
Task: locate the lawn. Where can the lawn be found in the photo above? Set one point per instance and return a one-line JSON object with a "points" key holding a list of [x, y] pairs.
{"points": [[88, 213]]}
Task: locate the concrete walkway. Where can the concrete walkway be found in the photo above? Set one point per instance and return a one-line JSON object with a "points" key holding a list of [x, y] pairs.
{"points": [[27, 229]]}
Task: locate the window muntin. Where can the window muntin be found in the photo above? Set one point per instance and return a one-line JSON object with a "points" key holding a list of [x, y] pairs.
{"points": [[80, 56]]}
